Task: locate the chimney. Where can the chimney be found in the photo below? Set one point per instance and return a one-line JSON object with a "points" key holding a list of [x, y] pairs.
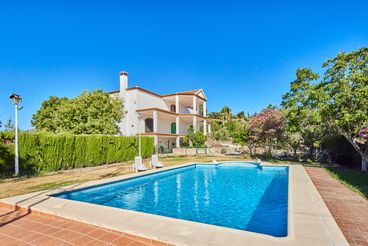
{"points": [[123, 81]]}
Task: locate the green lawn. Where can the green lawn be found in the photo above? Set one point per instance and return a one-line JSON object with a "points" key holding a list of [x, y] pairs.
{"points": [[354, 180]]}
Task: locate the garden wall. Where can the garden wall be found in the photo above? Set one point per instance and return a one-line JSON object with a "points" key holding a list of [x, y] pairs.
{"points": [[192, 152], [49, 152]]}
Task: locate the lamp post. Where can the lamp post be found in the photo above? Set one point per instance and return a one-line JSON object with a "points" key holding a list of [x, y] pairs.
{"points": [[16, 100]]}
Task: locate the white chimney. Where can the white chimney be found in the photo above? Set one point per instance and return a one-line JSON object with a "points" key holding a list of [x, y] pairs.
{"points": [[123, 81]]}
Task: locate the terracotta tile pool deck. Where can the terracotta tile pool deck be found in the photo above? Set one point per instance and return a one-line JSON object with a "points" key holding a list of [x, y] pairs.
{"points": [[349, 209], [23, 228], [310, 221]]}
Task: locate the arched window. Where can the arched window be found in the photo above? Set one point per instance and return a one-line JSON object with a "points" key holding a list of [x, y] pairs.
{"points": [[173, 128], [173, 108], [148, 125]]}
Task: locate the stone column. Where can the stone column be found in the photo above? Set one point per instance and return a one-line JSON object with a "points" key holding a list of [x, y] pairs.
{"points": [[177, 142], [195, 123], [177, 104], [205, 127], [177, 125], [155, 121], [155, 138], [194, 104]]}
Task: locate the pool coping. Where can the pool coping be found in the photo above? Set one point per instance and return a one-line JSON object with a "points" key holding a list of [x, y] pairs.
{"points": [[309, 220]]}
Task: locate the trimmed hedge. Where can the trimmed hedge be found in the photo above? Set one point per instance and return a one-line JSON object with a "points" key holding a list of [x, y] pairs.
{"points": [[49, 152]]}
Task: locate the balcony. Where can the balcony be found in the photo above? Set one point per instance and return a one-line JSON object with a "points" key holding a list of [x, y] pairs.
{"points": [[155, 122], [184, 104]]}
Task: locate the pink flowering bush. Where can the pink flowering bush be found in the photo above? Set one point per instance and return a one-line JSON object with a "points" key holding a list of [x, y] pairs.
{"points": [[267, 127], [362, 136]]}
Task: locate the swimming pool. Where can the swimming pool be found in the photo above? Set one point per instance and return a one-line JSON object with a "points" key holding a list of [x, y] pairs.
{"points": [[241, 195]]}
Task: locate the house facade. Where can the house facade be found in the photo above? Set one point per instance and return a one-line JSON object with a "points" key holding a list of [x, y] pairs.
{"points": [[165, 117]]}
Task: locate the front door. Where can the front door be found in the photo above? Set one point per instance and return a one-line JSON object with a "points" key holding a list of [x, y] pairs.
{"points": [[173, 128]]}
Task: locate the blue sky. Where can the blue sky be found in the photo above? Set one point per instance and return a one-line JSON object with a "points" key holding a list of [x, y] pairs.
{"points": [[242, 53]]}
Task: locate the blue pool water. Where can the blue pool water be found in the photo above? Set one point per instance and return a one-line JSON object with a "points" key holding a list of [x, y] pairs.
{"points": [[243, 196]]}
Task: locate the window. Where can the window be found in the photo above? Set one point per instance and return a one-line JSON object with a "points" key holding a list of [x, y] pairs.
{"points": [[200, 109], [148, 125], [172, 108]]}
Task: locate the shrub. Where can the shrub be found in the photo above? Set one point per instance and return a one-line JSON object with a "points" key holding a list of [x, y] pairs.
{"points": [[6, 157], [194, 139], [49, 152]]}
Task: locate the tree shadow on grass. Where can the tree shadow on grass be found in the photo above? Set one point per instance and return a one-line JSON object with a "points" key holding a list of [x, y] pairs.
{"points": [[115, 172]]}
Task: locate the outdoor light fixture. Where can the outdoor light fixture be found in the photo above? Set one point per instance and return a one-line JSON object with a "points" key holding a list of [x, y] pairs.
{"points": [[16, 100]]}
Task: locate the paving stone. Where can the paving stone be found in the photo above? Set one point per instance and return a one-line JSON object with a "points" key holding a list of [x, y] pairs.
{"points": [[349, 209], [23, 228]]}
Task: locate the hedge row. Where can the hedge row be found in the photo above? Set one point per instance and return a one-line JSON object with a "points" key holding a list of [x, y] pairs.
{"points": [[48, 152]]}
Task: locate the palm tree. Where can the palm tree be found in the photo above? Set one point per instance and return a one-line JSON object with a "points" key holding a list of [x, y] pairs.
{"points": [[240, 115], [225, 114]]}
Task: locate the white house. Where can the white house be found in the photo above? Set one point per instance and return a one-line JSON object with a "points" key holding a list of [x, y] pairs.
{"points": [[165, 117]]}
